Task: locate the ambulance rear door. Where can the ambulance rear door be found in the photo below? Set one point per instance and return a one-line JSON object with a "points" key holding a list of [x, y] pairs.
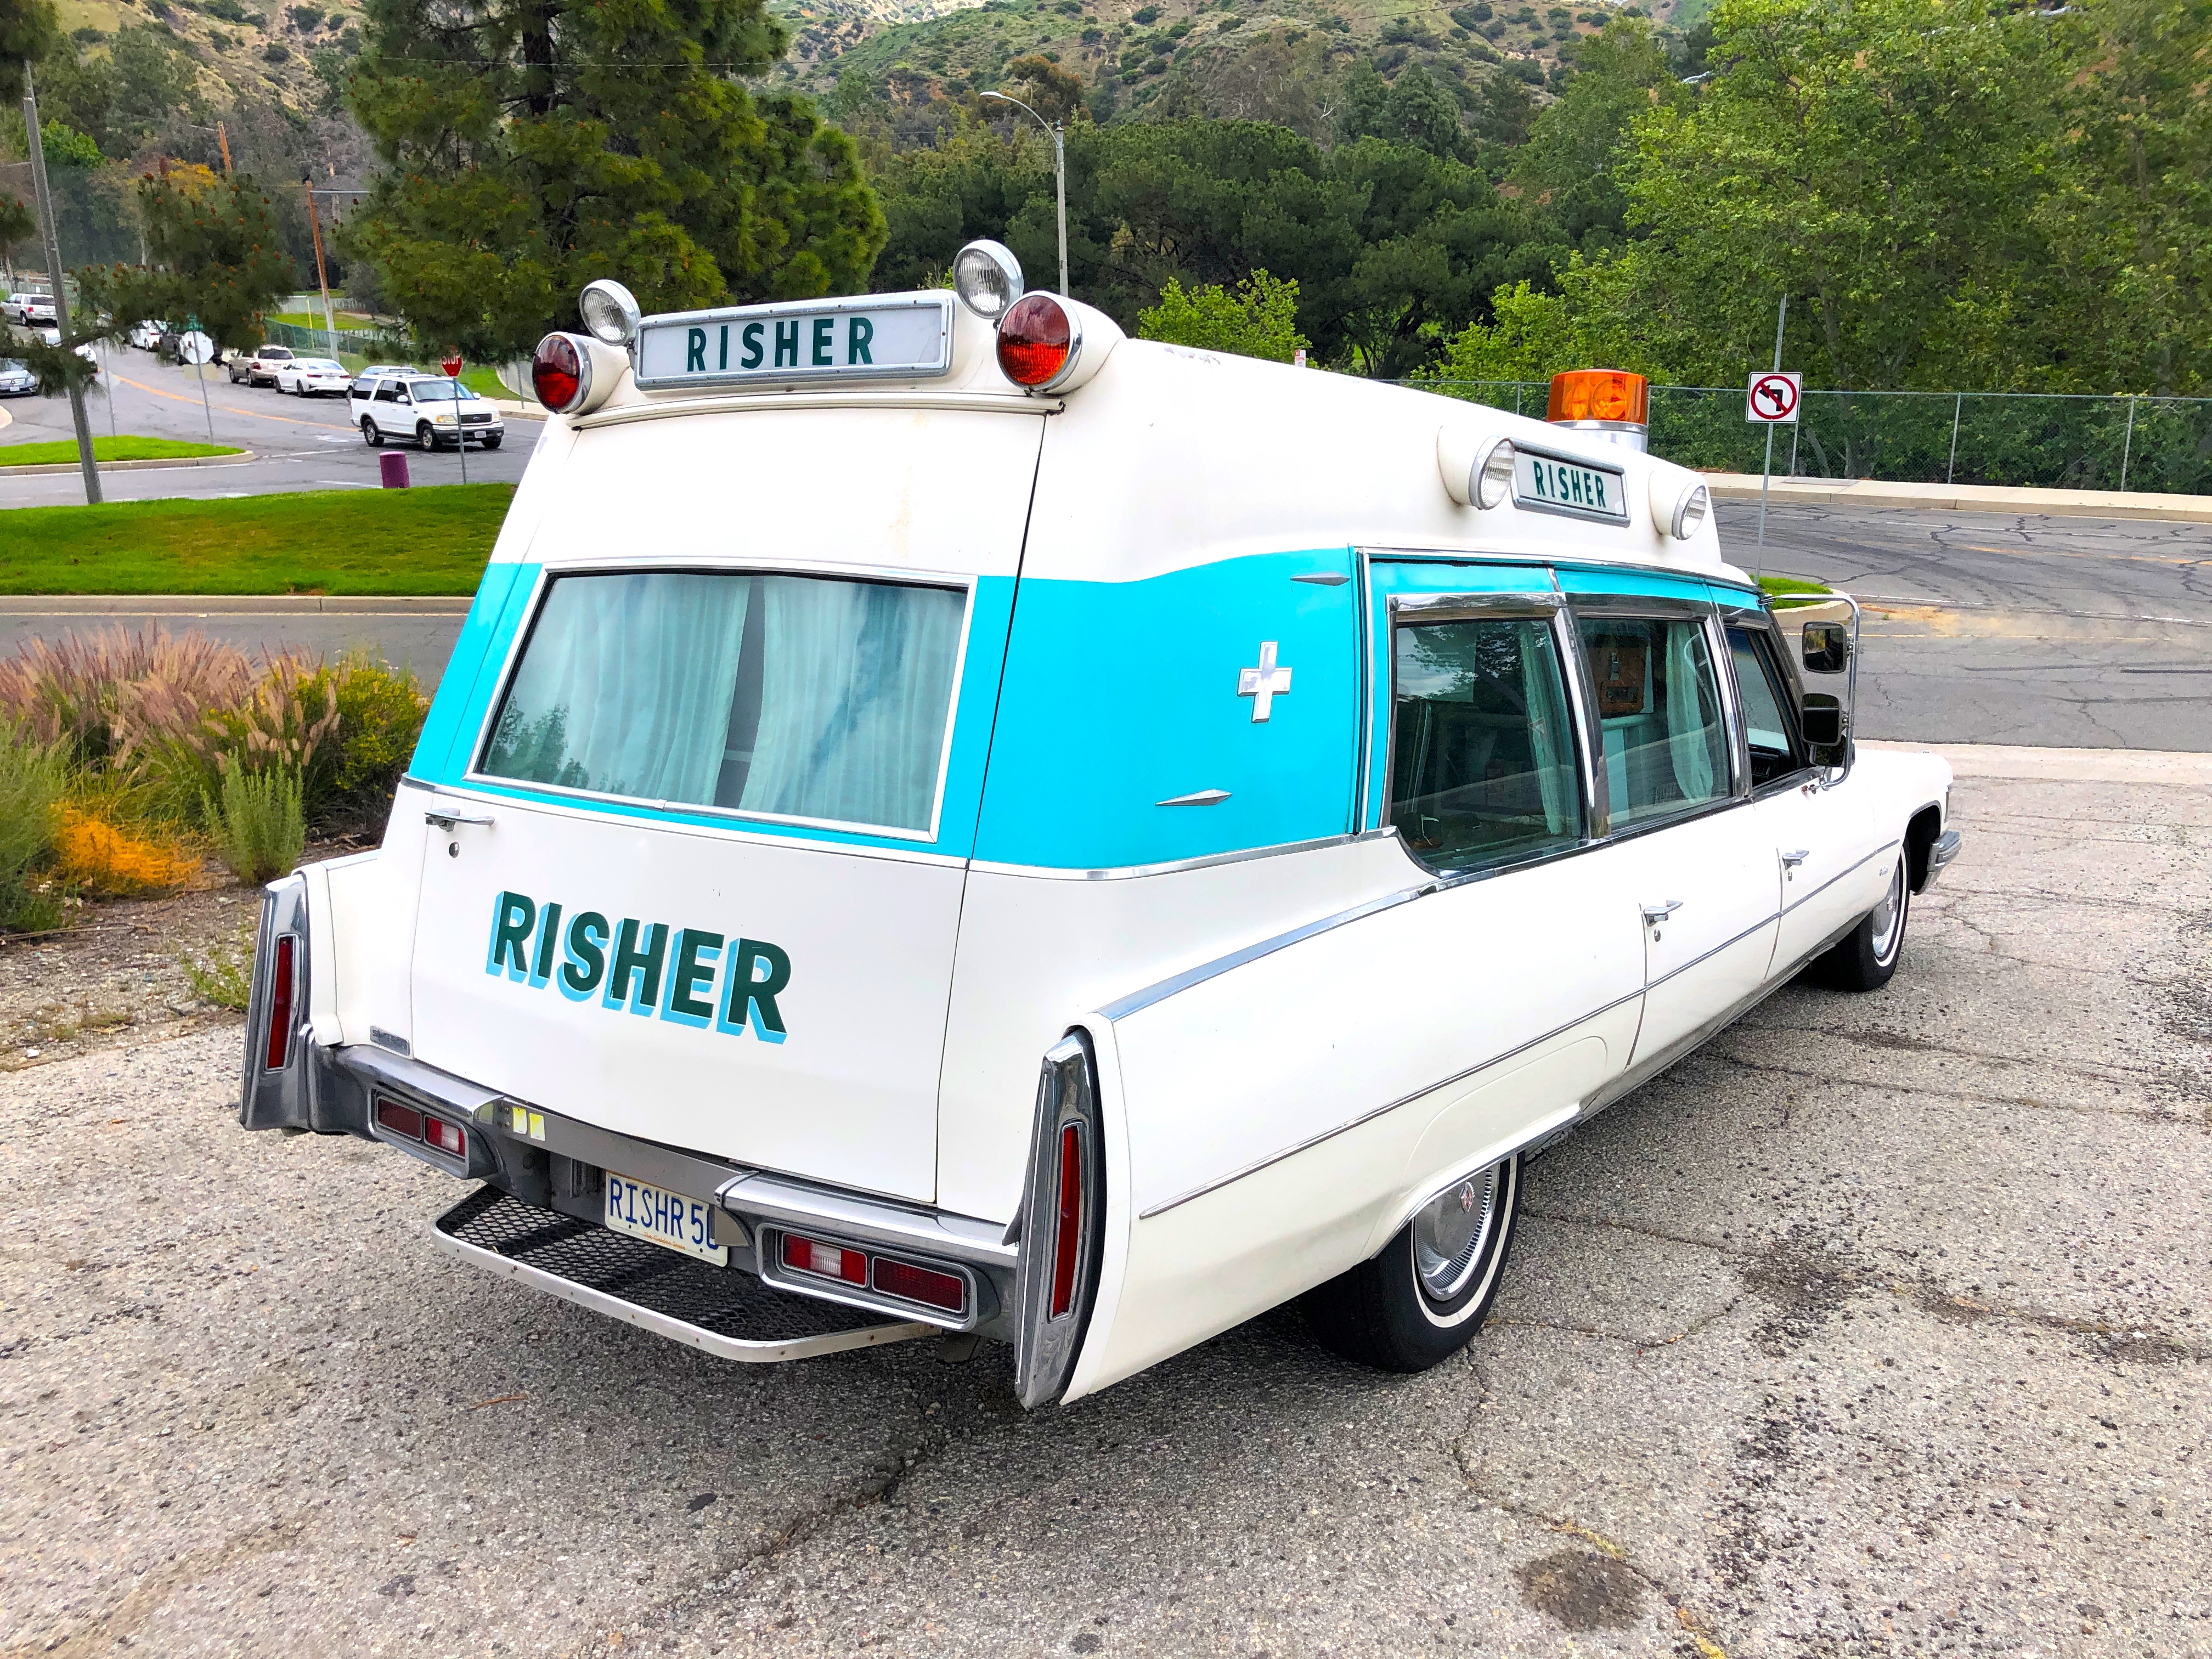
{"points": [[696, 850]]}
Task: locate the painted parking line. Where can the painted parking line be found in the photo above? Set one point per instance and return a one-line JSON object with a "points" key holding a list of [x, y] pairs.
{"points": [[228, 409]]}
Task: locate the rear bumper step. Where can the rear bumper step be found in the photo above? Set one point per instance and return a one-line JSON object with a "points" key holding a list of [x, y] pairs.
{"points": [[722, 1311]]}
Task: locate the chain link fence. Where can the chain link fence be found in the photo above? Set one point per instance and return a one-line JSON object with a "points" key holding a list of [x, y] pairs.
{"points": [[2047, 439]]}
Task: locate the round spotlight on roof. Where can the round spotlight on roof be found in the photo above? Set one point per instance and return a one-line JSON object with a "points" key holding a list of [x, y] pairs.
{"points": [[1679, 506], [610, 312], [987, 278], [1493, 474]]}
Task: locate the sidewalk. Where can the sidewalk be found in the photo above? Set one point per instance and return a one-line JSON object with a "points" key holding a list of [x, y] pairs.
{"points": [[1965, 498]]}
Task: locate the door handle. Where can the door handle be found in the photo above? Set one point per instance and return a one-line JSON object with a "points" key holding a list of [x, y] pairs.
{"points": [[1656, 914], [1791, 860], [447, 820]]}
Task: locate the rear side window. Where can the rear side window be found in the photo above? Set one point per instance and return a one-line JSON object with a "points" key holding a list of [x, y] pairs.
{"points": [[1659, 715], [810, 698], [1482, 767], [388, 392]]}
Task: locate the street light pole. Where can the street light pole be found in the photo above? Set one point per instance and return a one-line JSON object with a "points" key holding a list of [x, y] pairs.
{"points": [[54, 251], [1059, 174]]}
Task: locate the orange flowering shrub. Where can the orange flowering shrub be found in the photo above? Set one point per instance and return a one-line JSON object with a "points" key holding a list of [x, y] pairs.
{"points": [[92, 852]]}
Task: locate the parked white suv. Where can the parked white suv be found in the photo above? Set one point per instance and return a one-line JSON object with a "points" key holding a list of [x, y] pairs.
{"points": [[147, 334], [311, 377], [436, 413], [40, 308]]}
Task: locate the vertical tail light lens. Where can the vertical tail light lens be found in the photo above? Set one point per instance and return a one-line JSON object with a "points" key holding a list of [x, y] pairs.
{"points": [[281, 977], [557, 373], [1037, 340], [1069, 1233]]}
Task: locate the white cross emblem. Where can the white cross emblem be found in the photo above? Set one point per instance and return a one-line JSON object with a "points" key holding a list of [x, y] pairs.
{"points": [[1264, 684]]}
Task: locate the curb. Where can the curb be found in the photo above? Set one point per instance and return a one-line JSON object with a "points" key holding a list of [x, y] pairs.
{"points": [[232, 605], [1965, 498], [43, 470], [1994, 760]]}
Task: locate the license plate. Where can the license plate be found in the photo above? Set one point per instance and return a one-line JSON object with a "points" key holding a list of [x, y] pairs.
{"points": [[644, 1211], [1557, 486]]}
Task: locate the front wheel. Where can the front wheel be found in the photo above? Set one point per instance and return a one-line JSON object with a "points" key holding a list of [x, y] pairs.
{"points": [[371, 434], [491, 443], [1865, 957], [425, 438], [1422, 1299]]}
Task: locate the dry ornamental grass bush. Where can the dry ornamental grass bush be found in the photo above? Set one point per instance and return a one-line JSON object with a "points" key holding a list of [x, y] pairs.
{"points": [[117, 748]]}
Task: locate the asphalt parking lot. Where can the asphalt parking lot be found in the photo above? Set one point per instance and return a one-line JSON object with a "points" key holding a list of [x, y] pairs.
{"points": [[1880, 1328]]}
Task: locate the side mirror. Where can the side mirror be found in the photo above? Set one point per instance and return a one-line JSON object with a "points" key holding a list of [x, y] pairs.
{"points": [[1821, 717], [1827, 648]]}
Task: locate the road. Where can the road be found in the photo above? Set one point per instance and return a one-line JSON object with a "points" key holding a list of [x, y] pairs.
{"points": [[299, 443], [2054, 631], [1881, 1327]]}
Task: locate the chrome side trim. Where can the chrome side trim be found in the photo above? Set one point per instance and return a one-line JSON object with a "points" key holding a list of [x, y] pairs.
{"points": [[777, 1200], [1445, 607], [1174, 866], [1314, 1140], [1196, 798], [769, 401], [1325, 578], [1161, 990], [1805, 898], [1707, 956], [722, 1347]]}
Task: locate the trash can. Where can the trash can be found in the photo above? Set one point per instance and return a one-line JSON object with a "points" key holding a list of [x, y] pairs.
{"points": [[394, 468]]}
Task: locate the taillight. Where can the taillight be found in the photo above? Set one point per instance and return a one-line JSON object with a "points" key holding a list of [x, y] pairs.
{"points": [[811, 1255], [399, 1119], [1038, 339], [1068, 1234], [445, 1137], [279, 1003], [923, 1285], [557, 373]]}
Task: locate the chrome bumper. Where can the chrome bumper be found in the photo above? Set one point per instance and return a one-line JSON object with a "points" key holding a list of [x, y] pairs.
{"points": [[1940, 855]]}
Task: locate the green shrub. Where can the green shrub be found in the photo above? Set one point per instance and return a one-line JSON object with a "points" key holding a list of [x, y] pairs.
{"points": [[380, 712], [258, 822], [33, 776], [225, 976]]}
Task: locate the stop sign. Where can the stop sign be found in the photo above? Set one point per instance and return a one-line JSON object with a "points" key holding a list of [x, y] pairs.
{"points": [[453, 367]]}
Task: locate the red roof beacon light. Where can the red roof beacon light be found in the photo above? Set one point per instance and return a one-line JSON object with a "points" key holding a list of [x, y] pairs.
{"points": [[560, 373], [1039, 342], [1609, 402]]}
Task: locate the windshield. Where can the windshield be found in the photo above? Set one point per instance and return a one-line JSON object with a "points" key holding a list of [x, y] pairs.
{"points": [[320, 365], [806, 697], [431, 391]]}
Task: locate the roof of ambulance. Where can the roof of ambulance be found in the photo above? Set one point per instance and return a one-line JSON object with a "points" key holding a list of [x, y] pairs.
{"points": [[1168, 458]]}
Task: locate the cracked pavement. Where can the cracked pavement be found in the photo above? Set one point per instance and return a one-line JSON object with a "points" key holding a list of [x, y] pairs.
{"points": [[2010, 628], [1882, 1327]]}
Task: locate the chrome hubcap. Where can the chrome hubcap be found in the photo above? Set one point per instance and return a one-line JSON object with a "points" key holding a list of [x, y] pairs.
{"points": [[1886, 915], [1450, 1231]]}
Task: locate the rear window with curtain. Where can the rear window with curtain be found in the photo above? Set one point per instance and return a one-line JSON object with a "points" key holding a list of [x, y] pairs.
{"points": [[813, 698]]}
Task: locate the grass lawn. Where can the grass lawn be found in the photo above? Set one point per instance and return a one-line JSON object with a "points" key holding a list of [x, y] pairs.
{"points": [[433, 540], [1782, 586], [346, 320], [127, 448]]}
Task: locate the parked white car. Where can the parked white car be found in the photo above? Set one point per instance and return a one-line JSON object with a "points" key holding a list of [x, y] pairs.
{"points": [[314, 377], [12, 307], [943, 817], [15, 379], [147, 334], [259, 366], [426, 410]]}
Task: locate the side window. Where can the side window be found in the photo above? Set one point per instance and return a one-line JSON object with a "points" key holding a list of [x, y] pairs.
{"points": [[388, 392], [1766, 724], [1482, 760], [1659, 715]]}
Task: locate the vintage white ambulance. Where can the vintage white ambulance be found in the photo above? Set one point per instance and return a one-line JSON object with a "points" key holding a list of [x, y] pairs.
{"points": [[942, 818]]}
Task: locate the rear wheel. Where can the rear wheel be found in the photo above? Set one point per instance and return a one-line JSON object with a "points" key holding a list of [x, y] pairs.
{"points": [[1865, 957], [1423, 1298], [371, 434]]}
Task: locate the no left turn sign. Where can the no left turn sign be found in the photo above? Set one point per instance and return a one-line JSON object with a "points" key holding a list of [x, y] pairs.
{"points": [[1773, 398]]}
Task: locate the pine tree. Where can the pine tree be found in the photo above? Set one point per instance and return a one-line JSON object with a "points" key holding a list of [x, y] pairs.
{"points": [[530, 146]]}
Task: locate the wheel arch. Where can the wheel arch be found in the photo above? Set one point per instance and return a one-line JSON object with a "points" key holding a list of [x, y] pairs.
{"points": [[1920, 835]]}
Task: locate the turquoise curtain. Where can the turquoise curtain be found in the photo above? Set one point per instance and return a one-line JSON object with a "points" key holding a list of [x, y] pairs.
{"points": [[856, 683], [626, 686], [1692, 715]]}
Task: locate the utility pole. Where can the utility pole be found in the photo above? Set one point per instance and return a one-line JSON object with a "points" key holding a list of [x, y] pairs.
{"points": [[222, 137], [314, 224], [54, 251], [1059, 174]]}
